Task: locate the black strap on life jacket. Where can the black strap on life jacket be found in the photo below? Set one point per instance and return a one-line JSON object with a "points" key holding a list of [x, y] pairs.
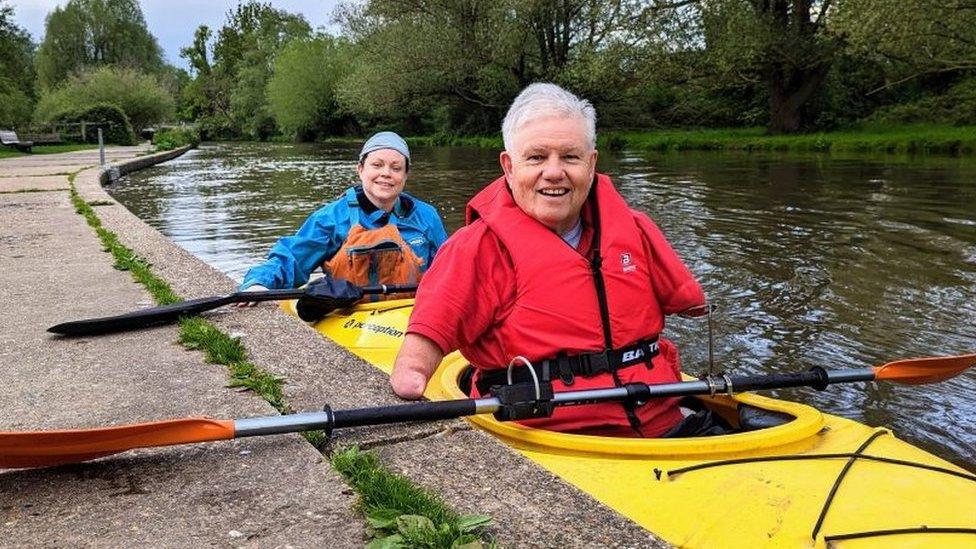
{"points": [[596, 264], [566, 368]]}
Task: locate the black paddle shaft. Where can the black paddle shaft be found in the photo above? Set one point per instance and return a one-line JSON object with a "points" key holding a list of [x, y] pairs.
{"points": [[328, 419], [166, 313], [170, 313]]}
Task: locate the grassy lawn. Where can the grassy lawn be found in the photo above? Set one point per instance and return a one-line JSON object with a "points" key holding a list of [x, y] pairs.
{"points": [[6, 152], [897, 139]]}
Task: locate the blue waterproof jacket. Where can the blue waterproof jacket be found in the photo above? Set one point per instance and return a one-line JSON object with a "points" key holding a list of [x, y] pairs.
{"points": [[293, 258]]}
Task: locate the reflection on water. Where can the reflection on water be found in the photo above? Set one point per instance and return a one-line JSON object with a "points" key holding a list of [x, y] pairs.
{"points": [[812, 260]]}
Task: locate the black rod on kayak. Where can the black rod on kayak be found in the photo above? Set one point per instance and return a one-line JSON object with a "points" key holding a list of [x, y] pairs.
{"points": [[170, 313], [358, 417], [450, 409]]}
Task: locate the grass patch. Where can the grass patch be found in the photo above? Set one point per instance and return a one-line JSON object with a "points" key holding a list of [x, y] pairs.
{"points": [[911, 139], [48, 149], [401, 514], [100, 203]]}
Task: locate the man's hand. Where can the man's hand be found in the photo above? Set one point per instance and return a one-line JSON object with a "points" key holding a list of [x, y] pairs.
{"points": [[255, 288], [415, 363]]}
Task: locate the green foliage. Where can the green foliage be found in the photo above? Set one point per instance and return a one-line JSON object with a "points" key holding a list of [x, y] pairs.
{"points": [[115, 125], [138, 95], [450, 69], [16, 72], [90, 33], [167, 139], [455, 66], [302, 91], [956, 106], [229, 94], [401, 514], [916, 39]]}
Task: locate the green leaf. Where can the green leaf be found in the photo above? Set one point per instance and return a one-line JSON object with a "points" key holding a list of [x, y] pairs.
{"points": [[467, 541], [414, 524], [389, 542], [470, 523], [383, 518]]}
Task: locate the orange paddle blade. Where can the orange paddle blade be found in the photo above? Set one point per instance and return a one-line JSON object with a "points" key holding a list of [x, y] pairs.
{"points": [[919, 371], [48, 448]]}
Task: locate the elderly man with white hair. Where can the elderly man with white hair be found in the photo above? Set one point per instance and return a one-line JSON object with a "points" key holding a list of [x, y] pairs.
{"points": [[554, 267]]}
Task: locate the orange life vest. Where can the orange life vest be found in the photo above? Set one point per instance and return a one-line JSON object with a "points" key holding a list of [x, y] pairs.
{"points": [[375, 256]]}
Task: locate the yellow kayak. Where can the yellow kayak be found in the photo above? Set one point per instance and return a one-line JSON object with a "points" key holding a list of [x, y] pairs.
{"points": [[817, 480]]}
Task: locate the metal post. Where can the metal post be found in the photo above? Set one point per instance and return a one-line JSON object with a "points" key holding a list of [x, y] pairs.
{"points": [[101, 148]]}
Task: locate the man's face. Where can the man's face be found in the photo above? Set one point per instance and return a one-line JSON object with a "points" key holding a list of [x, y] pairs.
{"points": [[550, 170]]}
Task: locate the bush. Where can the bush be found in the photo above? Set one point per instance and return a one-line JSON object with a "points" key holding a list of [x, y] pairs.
{"points": [[168, 139], [115, 125], [957, 106], [140, 96]]}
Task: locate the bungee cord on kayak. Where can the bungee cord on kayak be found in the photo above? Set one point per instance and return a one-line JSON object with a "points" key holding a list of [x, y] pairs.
{"points": [[851, 457]]}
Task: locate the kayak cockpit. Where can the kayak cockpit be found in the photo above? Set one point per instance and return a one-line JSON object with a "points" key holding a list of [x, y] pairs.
{"points": [[772, 423]]}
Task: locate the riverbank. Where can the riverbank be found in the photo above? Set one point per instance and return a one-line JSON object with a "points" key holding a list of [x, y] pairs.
{"points": [[916, 139]]}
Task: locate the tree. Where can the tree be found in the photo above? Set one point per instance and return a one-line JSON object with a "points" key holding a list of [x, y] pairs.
{"points": [[471, 57], [16, 71], [915, 39], [140, 96], [91, 33], [302, 92], [231, 76], [786, 47]]}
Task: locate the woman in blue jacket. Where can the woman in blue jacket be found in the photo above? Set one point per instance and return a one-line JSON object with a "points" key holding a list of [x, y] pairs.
{"points": [[373, 234]]}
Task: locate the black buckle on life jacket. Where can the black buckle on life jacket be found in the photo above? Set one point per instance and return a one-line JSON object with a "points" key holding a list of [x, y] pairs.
{"points": [[592, 364], [562, 367]]}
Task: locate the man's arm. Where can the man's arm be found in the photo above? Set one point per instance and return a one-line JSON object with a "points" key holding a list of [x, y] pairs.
{"points": [[415, 363]]}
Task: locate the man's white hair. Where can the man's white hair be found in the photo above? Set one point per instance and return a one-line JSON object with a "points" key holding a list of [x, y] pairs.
{"points": [[545, 100]]}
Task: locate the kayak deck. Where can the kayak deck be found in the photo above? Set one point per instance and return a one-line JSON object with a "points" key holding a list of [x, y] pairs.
{"points": [[818, 479]]}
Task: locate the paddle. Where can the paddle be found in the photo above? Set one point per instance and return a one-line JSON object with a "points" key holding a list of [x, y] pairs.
{"points": [[319, 297], [48, 448]]}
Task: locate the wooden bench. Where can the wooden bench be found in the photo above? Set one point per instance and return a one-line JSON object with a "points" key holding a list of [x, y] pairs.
{"points": [[9, 139]]}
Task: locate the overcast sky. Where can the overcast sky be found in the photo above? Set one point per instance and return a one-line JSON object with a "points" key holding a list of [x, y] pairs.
{"points": [[172, 22]]}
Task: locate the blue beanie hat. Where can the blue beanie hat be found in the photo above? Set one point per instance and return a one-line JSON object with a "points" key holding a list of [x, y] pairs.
{"points": [[385, 140]]}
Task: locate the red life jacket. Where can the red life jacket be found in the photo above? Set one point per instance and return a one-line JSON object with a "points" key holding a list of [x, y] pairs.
{"points": [[557, 309]]}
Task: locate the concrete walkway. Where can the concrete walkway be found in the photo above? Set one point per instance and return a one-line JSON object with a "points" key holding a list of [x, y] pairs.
{"points": [[267, 491]]}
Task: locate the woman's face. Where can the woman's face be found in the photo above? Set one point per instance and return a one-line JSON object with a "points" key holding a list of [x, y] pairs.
{"points": [[383, 174]]}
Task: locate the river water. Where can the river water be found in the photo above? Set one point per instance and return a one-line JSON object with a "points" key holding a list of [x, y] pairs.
{"points": [[811, 260]]}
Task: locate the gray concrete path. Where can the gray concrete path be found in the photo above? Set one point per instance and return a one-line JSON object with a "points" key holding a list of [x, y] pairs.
{"points": [[268, 491], [261, 492]]}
